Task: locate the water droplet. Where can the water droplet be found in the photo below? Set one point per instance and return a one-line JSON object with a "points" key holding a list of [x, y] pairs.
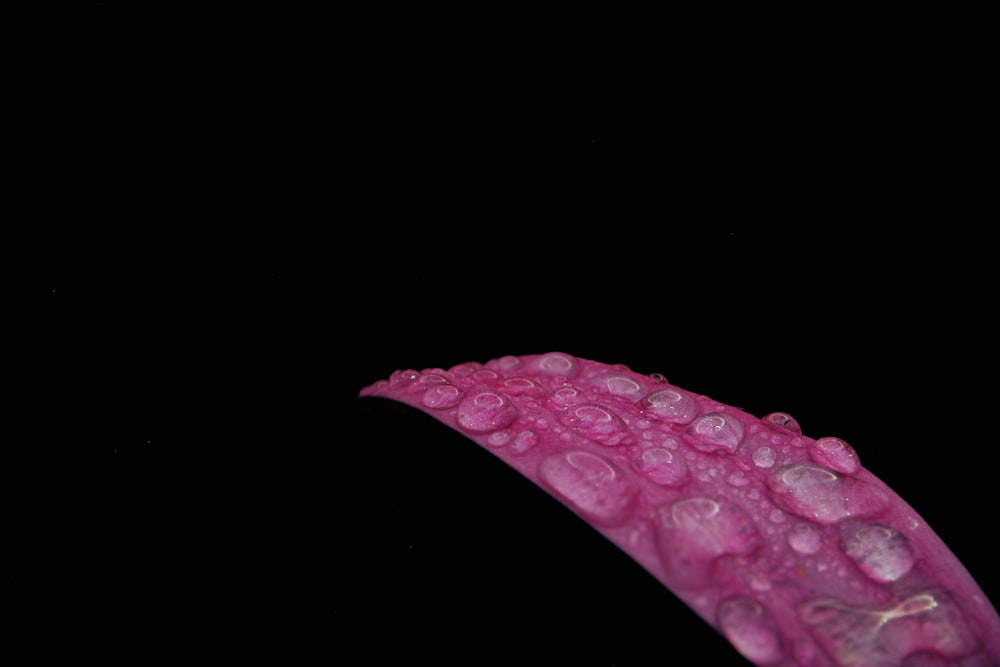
{"points": [[486, 411], [464, 370], [429, 379], [716, 431], [622, 386], [594, 486], [805, 539], [695, 531], [763, 457], [738, 479], [672, 405], [835, 454], [558, 364], [882, 554], [506, 363], [565, 397], [485, 376], [818, 494], [400, 379], [517, 386], [659, 378], [776, 516], [597, 423], [524, 441], [499, 438], [759, 582], [785, 421], [442, 396], [750, 630], [661, 466]]}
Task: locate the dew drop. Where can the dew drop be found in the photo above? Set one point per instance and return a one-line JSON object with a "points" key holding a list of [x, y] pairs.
{"points": [[805, 539], [659, 378], [672, 405], [442, 396], [785, 421], [622, 386], [716, 431], [400, 379], [835, 454], [882, 554], [558, 364], [818, 494], [597, 423], [661, 466], [517, 386], [750, 630], [430, 379], [485, 376], [524, 441], [565, 397], [486, 411], [693, 532], [499, 438], [594, 486], [763, 457]]}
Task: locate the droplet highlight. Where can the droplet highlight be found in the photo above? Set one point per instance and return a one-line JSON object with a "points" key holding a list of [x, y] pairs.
{"points": [[716, 431], [883, 555], [835, 454], [486, 411], [594, 486], [763, 457]]}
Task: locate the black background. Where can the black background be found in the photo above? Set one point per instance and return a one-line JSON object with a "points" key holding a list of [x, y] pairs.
{"points": [[224, 232]]}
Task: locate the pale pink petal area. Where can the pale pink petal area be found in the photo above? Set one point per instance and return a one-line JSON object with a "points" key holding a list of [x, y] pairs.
{"points": [[785, 544]]}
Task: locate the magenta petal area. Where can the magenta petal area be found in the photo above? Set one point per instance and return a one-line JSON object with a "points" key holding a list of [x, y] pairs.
{"points": [[784, 544]]}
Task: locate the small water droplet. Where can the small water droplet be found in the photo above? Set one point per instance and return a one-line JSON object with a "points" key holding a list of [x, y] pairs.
{"points": [[835, 454], [672, 405], [565, 397], [594, 486], [750, 630], [785, 421], [759, 582], [597, 423], [400, 379], [429, 379], [659, 378], [463, 370], [524, 441], [517, 386], [716, 431], [763, 457], [442, 396], [661, 466], [805, 539], [499, 438], [882, 554], [776, 516], [485, 376], [486, 411], [738, 479]]}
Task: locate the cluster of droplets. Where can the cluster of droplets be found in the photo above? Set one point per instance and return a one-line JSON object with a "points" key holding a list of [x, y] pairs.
{"points": [[622, 449]]}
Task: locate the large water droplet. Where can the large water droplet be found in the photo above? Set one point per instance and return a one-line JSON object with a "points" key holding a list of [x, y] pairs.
{"points": [[619, 385], [693, 532], [597, 488], [716, 431], [399, 379], [882, 554], [557, 363], [785, 421], [565, 397], [442, 396], [662, 466], [805, 539], [750, 630], [835, 454], [672, 405], [518, 386], [597, 423], [486, 411], [818, 494]]}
